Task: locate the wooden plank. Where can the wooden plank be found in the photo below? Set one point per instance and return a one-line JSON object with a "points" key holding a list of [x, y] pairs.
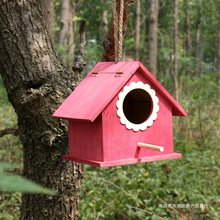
{"points": [[94, 93], [122, 162]]}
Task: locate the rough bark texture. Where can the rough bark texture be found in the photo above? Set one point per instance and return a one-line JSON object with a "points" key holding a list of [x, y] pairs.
{"points": [[36, 84], [154, 8], [175, 49], [137, 29], [48, 10]]}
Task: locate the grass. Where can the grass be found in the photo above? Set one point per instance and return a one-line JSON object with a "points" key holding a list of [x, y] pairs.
{"points": [[142, 191], [187, 188]]}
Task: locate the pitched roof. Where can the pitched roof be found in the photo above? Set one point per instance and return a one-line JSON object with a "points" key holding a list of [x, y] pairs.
{"points": [[101, 85]]}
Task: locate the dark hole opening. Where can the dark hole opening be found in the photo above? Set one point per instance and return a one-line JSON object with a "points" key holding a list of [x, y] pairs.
{"points": [[137, 106]]}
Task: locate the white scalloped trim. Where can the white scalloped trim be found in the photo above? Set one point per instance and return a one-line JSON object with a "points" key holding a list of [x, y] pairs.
{"points": [[149, 122]]}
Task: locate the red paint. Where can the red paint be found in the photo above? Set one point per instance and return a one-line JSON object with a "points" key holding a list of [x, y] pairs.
{"points": [[96, 91], [97, 137]]}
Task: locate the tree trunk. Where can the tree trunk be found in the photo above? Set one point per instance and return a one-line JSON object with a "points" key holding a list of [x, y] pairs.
{"points": [[198, 40], [187, 40], [154, 8], [71, 43], [186, 27], [137, 29], [175, 49], [48, 10], [103, 24], [64, 17], [36, 84], [146, 8], [218, 57], [67, 32]]}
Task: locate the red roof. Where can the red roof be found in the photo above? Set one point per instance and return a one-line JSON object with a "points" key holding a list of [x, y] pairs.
{"points": [[100, 86]]}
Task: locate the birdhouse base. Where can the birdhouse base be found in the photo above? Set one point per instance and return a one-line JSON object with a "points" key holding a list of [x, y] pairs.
{"points": [[123, 161]]}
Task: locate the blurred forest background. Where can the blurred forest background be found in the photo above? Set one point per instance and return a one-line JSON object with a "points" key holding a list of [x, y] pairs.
{"points": [[179, 41]]}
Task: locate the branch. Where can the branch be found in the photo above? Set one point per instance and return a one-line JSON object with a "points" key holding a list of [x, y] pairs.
{"points": [[79, 62], [82, 34], [11, 131]]}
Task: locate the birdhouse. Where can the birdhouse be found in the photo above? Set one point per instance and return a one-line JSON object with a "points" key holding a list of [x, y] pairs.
{"points": [[119, 114]]}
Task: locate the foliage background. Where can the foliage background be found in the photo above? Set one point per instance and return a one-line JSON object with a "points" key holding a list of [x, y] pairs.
{"points": [[142, 191]]}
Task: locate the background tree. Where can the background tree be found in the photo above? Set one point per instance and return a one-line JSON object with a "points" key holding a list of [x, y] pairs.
{"points": [[198, 39], [175, 48], [218, 50], [67, 34], [103, 24], [137, 29], [48, 10], [187, 39], [154, 9]]}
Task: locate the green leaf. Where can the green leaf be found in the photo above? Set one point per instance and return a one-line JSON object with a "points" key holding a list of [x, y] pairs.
{"points": [[6, 166], [15, 183]]}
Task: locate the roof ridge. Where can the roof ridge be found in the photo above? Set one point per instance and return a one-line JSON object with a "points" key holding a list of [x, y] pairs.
{"points": [[95, 92]]}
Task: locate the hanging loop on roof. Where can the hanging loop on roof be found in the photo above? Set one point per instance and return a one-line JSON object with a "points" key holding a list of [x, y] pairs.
{"points": [[118, 28]]}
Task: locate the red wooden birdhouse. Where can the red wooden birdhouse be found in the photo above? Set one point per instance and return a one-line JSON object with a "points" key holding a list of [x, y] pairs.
{"points": [[119, 114]]}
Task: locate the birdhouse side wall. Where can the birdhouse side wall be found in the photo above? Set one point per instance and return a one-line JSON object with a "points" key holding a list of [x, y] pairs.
{"points": [[85, 140], [121, 143]]}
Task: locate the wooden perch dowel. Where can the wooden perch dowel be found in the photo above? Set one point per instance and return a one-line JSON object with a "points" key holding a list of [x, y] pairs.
{"points": [[151, 146]]}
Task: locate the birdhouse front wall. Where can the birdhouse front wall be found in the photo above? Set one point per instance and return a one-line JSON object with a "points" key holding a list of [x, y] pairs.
{"points": [[121, 143]]}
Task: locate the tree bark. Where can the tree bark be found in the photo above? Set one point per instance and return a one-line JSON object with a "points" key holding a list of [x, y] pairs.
{"points": [[187, 40], [103, 24], [48, 10], [137, 29], [146, 8], [37, 83], [186, 27], [154, 8], [64, 17], [67, 32], [71, 43], [11, 131], [175, 49], [218, 56], [198, 40]]}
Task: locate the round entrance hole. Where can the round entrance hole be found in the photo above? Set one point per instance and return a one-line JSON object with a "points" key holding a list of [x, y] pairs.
{"points": [[137, 106]]}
